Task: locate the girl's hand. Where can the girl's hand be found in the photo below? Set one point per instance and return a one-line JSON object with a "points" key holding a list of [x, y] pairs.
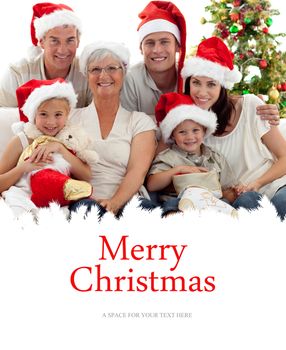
{"points": [[28, 165], [44, 153]]}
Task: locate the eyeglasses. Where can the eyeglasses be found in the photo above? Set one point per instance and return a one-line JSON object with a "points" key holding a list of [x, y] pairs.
{"points": [[111, 69]]}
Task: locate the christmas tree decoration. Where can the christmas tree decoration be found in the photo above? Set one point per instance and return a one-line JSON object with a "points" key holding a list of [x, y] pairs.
{"points": [[203, 20], [263, 64], [247, 20], [269, 22], [244, 25], [273, 94], [265, 30], [236, 3], [233, 29], [234, 16]]}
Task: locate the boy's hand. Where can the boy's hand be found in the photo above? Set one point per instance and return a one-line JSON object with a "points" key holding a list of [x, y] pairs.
{"points": [[229, 194], [188, 169]]}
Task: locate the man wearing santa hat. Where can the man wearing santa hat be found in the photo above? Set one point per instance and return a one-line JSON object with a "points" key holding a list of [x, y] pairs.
{"points": [[162, 34], [55, 35]]}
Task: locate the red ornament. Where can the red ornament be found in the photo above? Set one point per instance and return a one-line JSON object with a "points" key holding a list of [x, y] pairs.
{"points": [[250, 53], [265, 30], [236, 3], [283, 86], [224, 33], [234, 16], [221, 26], [262, 64], [241, 56], [279, 87]]}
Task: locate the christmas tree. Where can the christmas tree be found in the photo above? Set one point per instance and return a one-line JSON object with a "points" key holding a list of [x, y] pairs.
{"points": [[245, 28]]}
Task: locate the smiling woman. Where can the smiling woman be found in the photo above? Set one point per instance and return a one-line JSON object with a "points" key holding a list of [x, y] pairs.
{"points": [[125, 141]]}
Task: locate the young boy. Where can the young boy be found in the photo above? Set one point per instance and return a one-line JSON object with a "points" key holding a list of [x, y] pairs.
{"points": [[46, 104], [195, 170]]}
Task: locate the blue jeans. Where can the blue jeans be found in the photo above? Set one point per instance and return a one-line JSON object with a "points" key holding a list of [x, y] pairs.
{"points": [[279, 202], [90, 203], [170, 205], [248, 200]]}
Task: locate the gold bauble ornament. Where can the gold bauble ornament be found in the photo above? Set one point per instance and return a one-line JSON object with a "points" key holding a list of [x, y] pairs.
{"points": [[273, 93]]}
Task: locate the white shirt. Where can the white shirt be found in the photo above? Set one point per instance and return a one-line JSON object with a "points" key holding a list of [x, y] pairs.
{"points": [[114, 150], [244, 150], [21, 72]]}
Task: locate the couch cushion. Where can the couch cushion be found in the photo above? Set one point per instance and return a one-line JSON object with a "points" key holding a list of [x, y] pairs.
{"points": [[8, 116]]}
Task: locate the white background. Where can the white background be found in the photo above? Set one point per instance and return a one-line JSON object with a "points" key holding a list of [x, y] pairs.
{"points": [[107, 20], [40, 310]]}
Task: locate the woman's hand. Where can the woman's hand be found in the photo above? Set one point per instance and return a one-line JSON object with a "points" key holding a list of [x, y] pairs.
{"points": [[239, 189], [269, 112], [252, 186]]}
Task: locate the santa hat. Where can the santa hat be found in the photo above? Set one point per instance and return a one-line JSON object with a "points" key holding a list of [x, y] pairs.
{"points": [[118, 49], [33, 93], [173, 108], [213, 60], [164, 16], [47, 16]]}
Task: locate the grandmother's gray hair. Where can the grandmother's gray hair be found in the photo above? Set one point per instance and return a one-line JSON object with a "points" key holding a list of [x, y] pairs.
{"points": [[101, 54]]}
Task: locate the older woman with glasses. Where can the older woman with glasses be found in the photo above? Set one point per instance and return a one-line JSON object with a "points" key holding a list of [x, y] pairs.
{"points": [[125, 141]]}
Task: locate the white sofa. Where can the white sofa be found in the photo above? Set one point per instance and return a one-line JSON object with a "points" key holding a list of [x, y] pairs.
{"points": [[8, 116]]}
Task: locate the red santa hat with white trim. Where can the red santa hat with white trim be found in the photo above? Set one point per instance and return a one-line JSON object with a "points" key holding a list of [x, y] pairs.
{"points": [[164, 16], [173, 108], [213, 60], [47, 16], [33, 93]]}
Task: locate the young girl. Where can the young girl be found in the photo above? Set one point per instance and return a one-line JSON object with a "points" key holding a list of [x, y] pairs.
{"points": [[193, 168], [255, 151], [46, 105]]}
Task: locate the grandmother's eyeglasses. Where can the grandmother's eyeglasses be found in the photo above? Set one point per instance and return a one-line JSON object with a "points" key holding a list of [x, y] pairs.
{"points": [[111, 69]]}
